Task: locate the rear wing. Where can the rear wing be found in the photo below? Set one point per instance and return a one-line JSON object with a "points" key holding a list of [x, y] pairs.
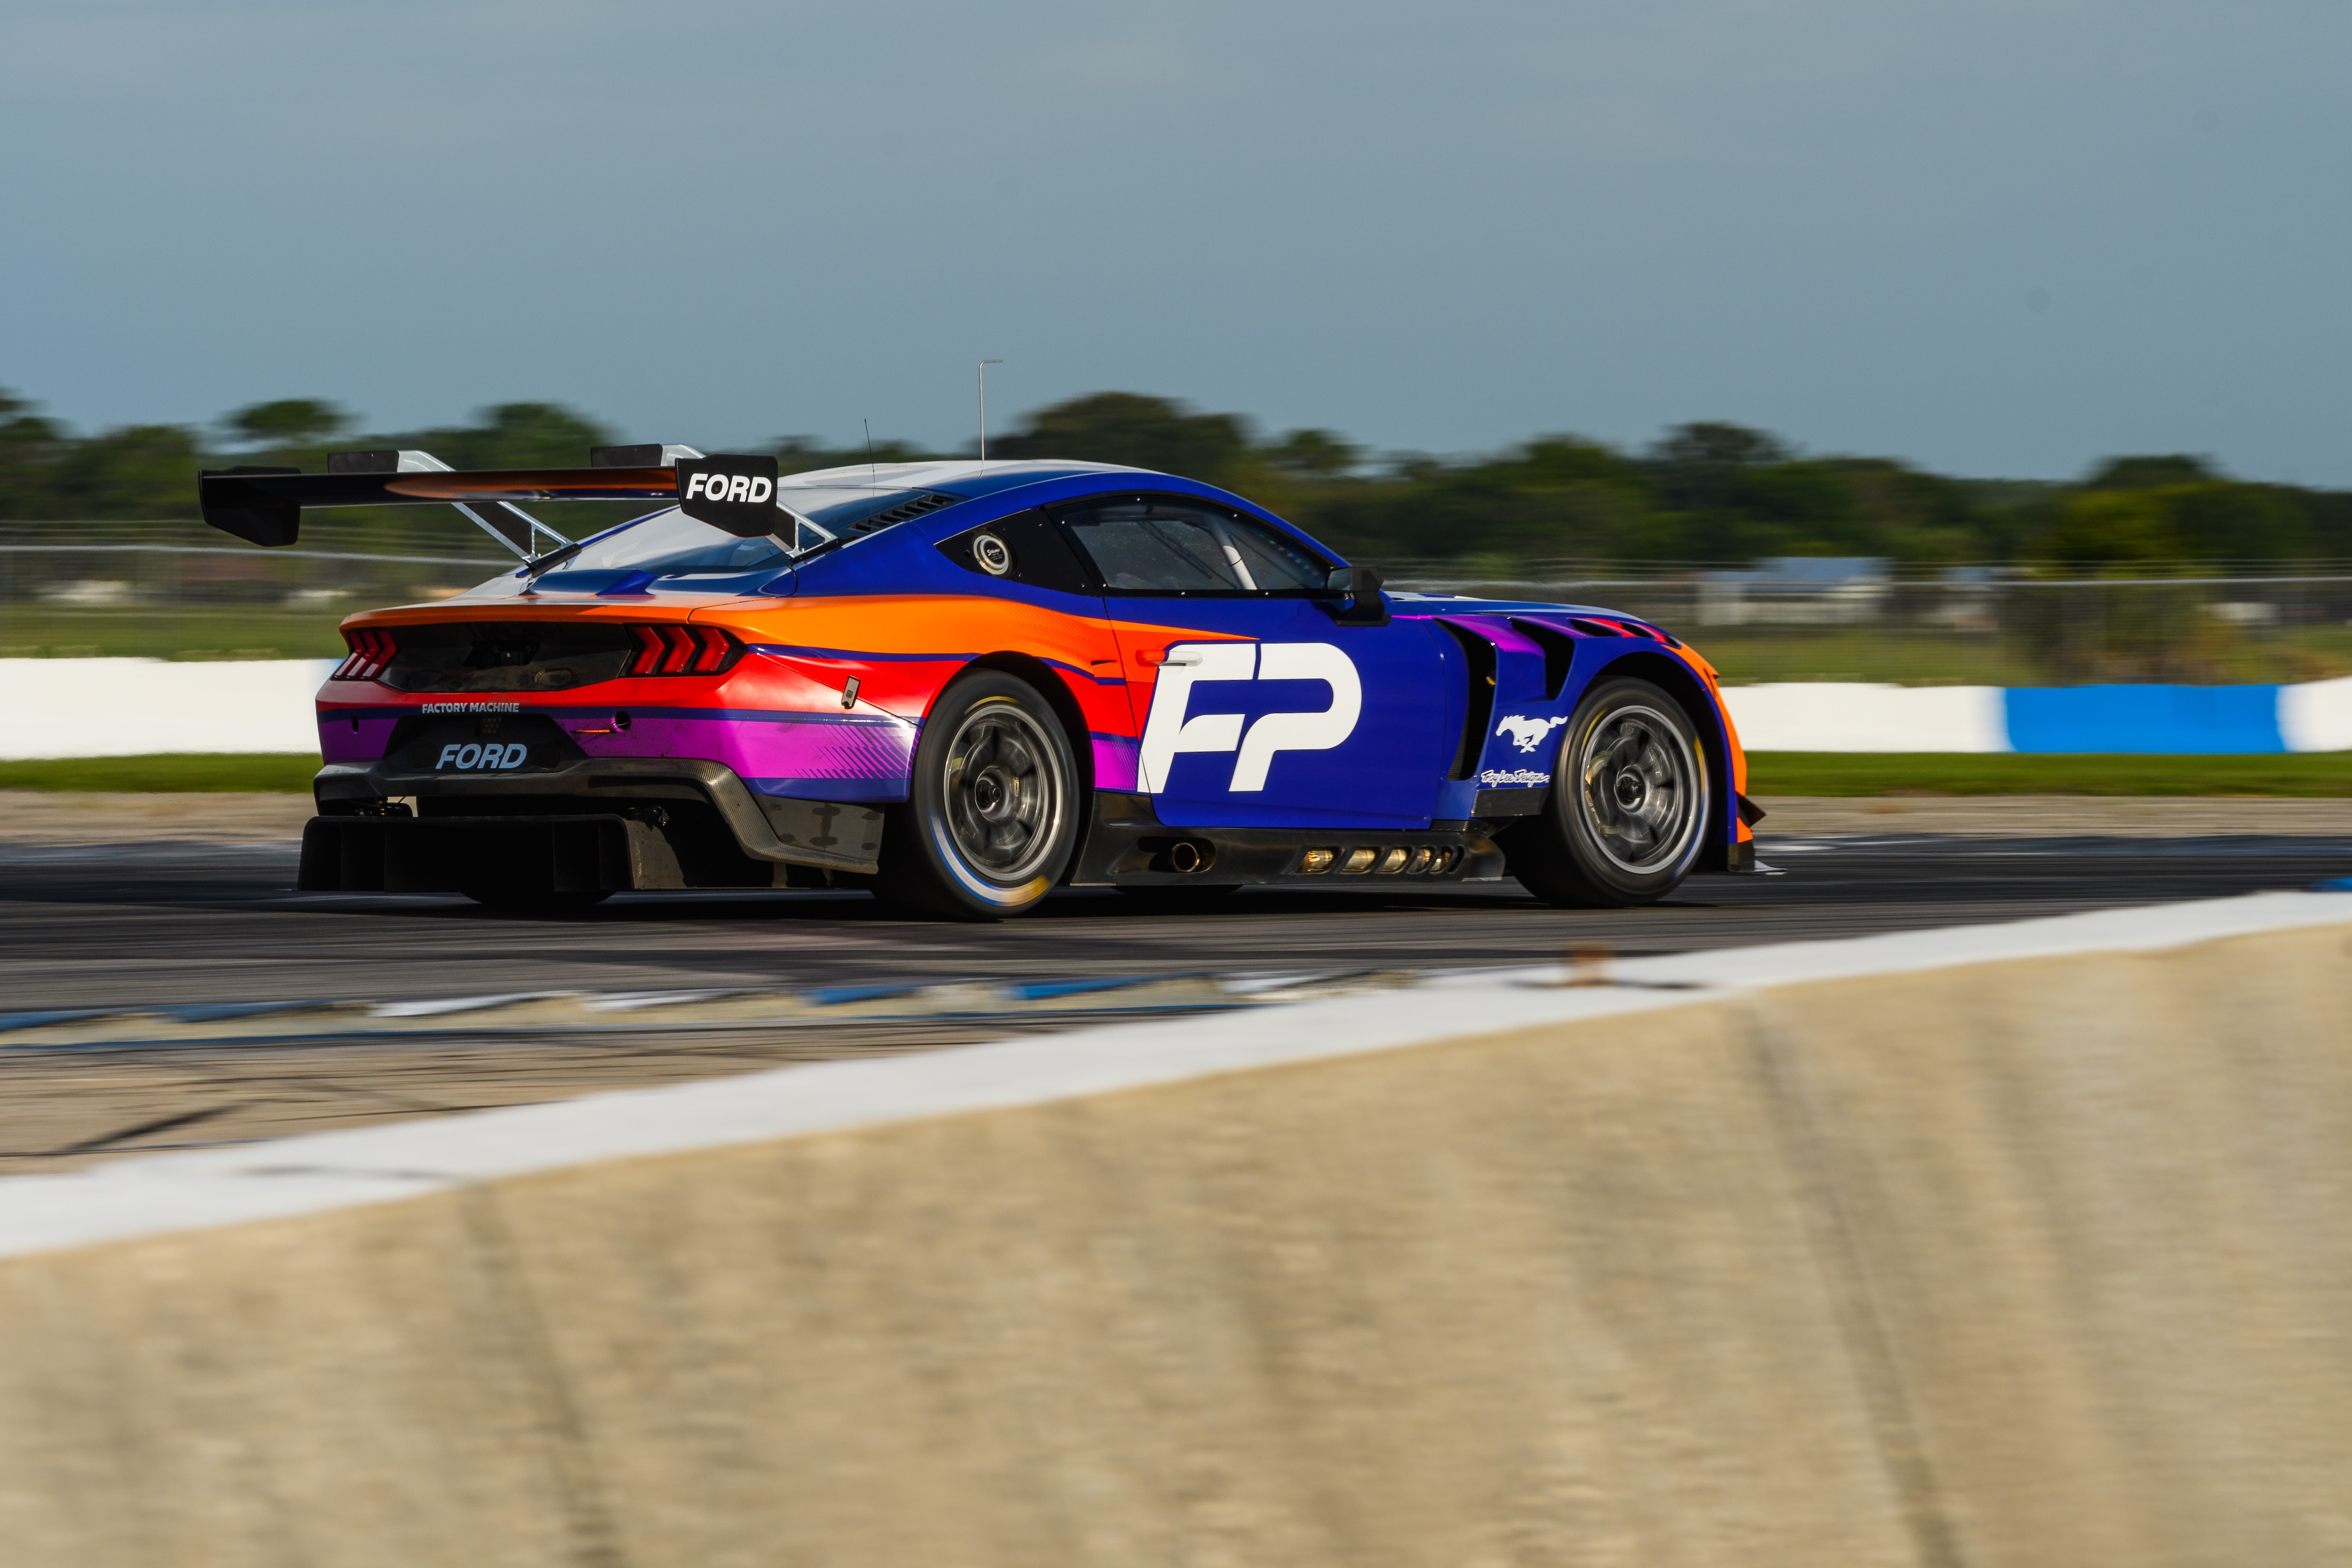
{"points": [[264, 506]]}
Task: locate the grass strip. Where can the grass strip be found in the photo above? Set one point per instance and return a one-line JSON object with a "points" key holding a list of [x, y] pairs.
{"points": [[2321, 773], [2316, 773], [264, 772]]}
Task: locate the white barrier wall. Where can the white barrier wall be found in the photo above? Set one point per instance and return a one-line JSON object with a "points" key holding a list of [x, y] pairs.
{"points": [[2317, 715], [1841, 716], [128, 708], [131, 707], [1826, 715]]}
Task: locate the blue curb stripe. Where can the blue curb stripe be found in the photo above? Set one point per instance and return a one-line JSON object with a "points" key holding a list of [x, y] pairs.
{"points": [[708, 1026], [2148, 720], [834, 995], [62, 1015], [1047, 991]]}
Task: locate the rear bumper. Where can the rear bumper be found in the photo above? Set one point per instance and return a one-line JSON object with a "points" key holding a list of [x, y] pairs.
{"points": [[771, 829], [581, 853]]}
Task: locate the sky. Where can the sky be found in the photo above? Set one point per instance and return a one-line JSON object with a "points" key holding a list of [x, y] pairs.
{"points": [[1994, 237]]}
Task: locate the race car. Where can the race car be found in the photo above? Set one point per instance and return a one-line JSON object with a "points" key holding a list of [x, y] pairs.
{"points": [[961, 684]]}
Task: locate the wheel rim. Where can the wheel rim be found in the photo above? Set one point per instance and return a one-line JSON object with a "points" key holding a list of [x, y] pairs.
{"points": [[1003, 797], [1640, 789]]}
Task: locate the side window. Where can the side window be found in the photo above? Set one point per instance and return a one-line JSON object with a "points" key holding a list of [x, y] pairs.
{"points": [[1026, 547], [1273, 562], [1147, 546]]}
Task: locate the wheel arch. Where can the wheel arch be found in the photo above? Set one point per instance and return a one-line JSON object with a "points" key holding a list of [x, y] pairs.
{"points": [[1678, 681]]}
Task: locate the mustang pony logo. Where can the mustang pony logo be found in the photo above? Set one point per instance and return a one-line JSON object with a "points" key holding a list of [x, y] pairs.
{"points": [[1169, 731], [1528, 731]]}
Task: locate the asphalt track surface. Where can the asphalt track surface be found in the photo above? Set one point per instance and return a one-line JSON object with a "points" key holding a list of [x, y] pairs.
{"points": [[133, 925], [88, 928]]}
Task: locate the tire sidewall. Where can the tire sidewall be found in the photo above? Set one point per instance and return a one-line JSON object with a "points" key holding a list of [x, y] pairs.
{"points": [[921, 862], [1567, 803]]}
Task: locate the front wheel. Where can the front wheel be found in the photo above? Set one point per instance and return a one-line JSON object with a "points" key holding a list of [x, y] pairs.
{"points": [[993, 813], [1628, 806]]}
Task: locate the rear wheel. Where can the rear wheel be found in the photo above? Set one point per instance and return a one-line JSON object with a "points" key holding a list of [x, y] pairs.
{"points": [[1629, 804], [993, 811]]}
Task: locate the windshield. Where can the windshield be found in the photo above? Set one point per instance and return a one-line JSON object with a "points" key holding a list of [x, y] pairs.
{"points": [[671, 544]]}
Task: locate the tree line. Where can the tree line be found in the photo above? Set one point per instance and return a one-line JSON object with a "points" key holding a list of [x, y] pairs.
{"points": [[1705, 493]]}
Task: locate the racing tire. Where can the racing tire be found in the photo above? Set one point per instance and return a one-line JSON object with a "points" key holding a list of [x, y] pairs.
{"points": [[1629, 808], [523, 901], [992, 815]]}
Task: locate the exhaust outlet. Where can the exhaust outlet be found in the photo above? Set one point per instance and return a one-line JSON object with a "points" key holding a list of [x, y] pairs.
{"points": [[1187, 856]]}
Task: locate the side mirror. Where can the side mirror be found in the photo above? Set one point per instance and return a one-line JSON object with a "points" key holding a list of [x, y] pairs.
{"points": [[1365, 606]]}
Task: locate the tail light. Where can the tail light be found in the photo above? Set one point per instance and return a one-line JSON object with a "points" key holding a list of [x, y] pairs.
{"points": [[372, 653], [679, 650], [716, 646]]}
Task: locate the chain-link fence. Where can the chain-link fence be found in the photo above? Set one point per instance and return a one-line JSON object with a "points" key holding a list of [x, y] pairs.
{"points": [[179, 590]]}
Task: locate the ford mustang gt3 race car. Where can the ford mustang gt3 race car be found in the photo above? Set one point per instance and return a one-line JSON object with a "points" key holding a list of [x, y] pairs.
{"points": [[961, 684]]}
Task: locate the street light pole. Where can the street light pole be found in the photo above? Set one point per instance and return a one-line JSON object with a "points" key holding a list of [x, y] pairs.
{"points": [[983, 406]]}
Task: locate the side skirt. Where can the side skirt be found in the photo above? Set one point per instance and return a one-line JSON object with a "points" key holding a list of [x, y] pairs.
{"points": [[1127, 845]]}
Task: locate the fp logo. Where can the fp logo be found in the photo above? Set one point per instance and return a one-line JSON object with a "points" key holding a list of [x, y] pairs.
{"points": [[1528, 733], [1170, 731]]}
